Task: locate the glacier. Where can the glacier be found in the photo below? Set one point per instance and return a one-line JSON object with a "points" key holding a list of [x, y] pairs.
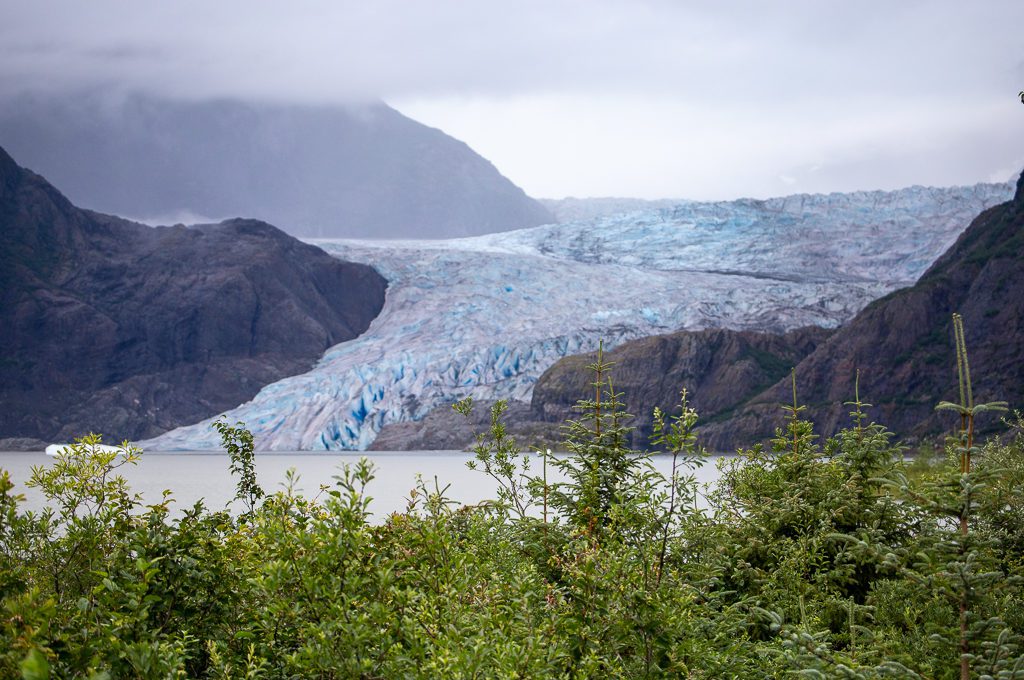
{"points": [[485, 316]]}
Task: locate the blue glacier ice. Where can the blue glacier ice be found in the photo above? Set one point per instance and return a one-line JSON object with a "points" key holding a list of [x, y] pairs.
{"points": [[485, 316]]}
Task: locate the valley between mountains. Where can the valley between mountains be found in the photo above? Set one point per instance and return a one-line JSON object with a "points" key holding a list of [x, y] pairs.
{"points": [[149, 333], [488, 316]]}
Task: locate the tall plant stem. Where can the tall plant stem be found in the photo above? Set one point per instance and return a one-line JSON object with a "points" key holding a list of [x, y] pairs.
{"points": [[668, 520], [796, 438], [598, 386], [967, 441], [546, 452]]}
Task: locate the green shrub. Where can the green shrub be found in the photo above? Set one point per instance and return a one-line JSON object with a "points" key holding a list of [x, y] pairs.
{"points": [[817, 558]]}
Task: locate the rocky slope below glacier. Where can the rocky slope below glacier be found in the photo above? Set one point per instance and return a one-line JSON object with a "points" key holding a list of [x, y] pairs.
{"points": [[127, 330], [486, 316], [720, 369]]}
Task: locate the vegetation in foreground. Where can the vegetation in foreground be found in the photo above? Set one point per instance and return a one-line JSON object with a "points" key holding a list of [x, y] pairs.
{"points": [[809, 558]]}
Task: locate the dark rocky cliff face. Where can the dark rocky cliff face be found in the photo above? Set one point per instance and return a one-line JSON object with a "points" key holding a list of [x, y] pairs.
{"points": [[323, 171], [721, 369], [903, 343], [127, 330]]}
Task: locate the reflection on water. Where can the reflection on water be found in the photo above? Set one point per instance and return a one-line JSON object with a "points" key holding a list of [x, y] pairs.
{"points": [[194, 476]]}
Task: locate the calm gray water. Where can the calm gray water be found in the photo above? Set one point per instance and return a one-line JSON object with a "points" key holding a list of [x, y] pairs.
{"points": [[194, 476]]}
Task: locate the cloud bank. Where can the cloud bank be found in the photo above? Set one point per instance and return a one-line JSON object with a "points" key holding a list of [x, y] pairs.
{"points": [[700, 99]]}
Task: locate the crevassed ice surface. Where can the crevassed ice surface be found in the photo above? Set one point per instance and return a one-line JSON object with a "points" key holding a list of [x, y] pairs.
{"points": [[486, 316]]}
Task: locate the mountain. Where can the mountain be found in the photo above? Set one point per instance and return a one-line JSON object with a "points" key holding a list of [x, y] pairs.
{"points": [[129, 330], [903, 343], [317, 171], [720, 369], [486, 316]]}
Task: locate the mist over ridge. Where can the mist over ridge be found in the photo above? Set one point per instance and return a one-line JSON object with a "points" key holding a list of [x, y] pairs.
{"points": [[329, 171]]}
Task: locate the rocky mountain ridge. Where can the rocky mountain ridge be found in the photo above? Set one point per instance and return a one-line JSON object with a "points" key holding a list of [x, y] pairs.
{"points": [[720, 369], [128, 330]]}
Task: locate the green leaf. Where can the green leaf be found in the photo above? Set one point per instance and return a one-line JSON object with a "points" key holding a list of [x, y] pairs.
{"points": [[992, 406], [35, 666]]}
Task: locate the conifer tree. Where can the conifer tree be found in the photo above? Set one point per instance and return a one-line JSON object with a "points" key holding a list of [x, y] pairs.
{"points": [[602, 470]]}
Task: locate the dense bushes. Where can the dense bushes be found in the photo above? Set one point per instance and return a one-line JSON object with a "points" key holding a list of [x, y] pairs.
{"points": [[830, 559]]}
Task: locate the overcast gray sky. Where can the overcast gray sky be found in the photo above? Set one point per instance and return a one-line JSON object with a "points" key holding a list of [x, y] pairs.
{"points": [[651, 99]]}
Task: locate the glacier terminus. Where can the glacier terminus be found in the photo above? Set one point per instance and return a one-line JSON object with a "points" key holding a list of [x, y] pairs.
{"points": [[485, 316]]}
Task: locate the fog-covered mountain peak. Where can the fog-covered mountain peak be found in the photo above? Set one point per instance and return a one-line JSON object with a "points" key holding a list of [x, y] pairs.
{"points": [[361, 169]]}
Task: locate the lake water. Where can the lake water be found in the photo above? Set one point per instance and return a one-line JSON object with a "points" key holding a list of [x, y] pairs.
{"points": [[204, 475]]}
